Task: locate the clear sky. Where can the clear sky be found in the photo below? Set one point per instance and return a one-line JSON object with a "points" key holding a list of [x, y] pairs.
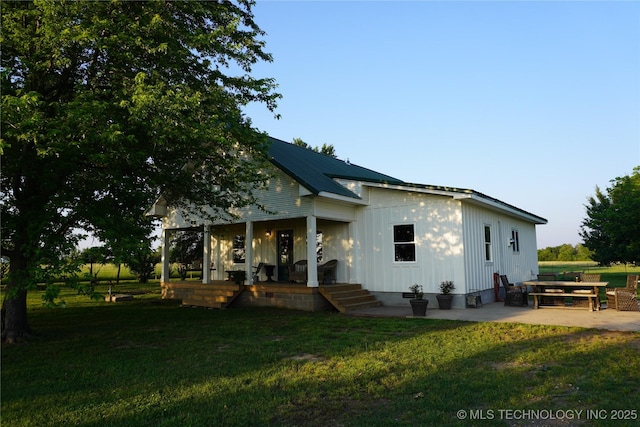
{"points": [[532, 103]]}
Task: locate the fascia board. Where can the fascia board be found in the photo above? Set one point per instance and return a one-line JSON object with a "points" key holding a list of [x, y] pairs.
{"points": [[502, 207], [344, 199]]}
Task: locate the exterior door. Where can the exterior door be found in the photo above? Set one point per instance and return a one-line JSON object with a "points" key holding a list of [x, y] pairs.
{"points": [[285, 254]]}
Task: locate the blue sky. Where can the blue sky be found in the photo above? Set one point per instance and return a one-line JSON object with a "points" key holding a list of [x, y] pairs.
{"points": [[533, 103]]}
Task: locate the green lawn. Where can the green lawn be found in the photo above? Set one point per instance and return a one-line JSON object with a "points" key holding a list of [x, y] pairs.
{"points": [[615, 275], [153, 363]]}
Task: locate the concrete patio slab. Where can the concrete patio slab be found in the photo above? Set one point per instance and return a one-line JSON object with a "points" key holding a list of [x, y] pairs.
{"points": [[497, 312]]}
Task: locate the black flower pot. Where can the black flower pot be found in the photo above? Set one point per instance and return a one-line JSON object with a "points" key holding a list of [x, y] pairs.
{"points": [[419, 307], [444, 301]]}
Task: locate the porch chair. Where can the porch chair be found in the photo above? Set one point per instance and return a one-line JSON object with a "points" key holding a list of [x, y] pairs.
{"points": [[550, 300], [514, 295], [327, 271], [298, 271], [256, 274], [624, 299], [571, 275], [584, 302]]}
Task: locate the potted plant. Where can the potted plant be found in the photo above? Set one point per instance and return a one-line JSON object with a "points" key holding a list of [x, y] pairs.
{"points": [[418, 303], [445, 297], [239, 276]]}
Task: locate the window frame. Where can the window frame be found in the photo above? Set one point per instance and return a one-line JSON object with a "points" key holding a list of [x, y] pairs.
{"points": [[515, 240], [404, 243], [488, 244], [319, 246], [239, 254]]}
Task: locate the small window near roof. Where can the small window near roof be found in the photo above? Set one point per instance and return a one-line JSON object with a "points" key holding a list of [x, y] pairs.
{"points": [[404, 243]]}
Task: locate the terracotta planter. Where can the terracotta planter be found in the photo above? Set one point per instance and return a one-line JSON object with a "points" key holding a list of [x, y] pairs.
{"points": [[419, 307]]}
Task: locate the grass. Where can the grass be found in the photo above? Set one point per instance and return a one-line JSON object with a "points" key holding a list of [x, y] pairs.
{"points": [[615, 275], [151, 362]]}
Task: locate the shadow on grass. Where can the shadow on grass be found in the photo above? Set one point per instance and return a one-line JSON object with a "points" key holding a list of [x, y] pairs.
{"points": [[156, 363]]}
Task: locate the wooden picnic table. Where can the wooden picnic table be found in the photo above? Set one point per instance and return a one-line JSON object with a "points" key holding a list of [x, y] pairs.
{"points": [[555, 290]]}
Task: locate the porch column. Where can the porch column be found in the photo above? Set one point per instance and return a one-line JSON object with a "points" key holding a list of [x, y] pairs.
{"points": [[218, 264], [312, 257], [206, 255], [353, 266], [164, 259], [248, 252]]}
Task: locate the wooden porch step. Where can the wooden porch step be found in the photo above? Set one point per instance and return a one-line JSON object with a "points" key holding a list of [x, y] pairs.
{"points": [[349, 297], [213, 292], [210, 296], [202, 303]]}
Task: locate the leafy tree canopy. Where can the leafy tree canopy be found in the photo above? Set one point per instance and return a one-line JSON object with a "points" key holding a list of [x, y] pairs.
{"points": [[108, 105], [612, 227], [186, 247], [326, 149]]}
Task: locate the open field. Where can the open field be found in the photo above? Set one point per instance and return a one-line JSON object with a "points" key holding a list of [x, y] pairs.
{"points": [[150, 362], [108, 272], [615, 275]]}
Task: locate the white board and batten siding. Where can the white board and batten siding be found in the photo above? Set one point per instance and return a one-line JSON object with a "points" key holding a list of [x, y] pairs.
{"points": [[438, 238], [517, 265], [282, 198]]}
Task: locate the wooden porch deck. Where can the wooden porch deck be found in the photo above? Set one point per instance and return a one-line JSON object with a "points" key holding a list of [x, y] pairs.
{"points": [[221, 294]]}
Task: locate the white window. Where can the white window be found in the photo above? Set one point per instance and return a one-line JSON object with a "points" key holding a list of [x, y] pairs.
{"points": [[404, 243], [319, 247], [487, 243], [515, 241], [239, 251]]}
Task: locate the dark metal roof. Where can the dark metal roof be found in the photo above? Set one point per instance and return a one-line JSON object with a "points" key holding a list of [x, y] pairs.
{"points": [[316, 171]]}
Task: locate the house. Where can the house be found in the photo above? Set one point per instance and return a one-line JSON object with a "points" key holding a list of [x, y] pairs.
{"points": [[386, 235]]}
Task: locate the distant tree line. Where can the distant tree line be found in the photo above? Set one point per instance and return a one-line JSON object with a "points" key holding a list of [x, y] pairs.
{"points": [[565, 252]]}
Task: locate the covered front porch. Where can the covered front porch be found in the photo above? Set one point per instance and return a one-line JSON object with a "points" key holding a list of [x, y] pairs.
{"points": [[269, 250]]}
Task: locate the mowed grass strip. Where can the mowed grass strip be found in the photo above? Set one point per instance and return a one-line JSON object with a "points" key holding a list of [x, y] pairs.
{"points": [[616, 275], [154, 363]]}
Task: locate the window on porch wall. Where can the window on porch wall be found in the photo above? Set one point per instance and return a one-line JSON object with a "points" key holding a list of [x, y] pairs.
{"points": [[319, 247], [239, 250]]}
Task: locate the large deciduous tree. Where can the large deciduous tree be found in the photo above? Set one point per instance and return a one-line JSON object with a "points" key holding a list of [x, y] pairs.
{"points": [[108, 105], [612, 227]]}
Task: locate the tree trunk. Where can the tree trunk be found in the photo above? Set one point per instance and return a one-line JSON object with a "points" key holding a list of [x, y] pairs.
{"points": [[14, 307], [14, 323]]}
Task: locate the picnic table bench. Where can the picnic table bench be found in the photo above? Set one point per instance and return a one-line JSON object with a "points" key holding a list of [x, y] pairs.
{"points": [[553, 293]]}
